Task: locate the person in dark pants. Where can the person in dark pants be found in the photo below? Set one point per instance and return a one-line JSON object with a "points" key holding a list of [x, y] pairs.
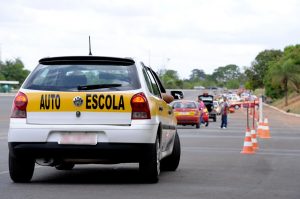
{"points": [[201, 109], [224, 112]]}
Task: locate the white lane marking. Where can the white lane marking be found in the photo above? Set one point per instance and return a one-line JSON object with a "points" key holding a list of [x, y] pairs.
{"points": [[3, 138], [4, 172], [275, 152]]}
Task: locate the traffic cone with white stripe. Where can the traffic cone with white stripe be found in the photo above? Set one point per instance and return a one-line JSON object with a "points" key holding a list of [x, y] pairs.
{"points": [[260, 127], [265, 132], [248, 147], [254, 139]]}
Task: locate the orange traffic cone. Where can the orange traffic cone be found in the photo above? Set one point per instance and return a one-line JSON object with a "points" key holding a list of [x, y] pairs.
{"points": [[260, 127], [265, 133], [254, 139], [248, 147]]}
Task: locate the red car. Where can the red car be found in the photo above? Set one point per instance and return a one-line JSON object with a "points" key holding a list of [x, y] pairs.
{"points": [[187, 112]]}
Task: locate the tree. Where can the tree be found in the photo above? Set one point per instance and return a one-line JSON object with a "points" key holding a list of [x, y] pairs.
{"points": [[170, 79], [259, 67], [14, 70], [293, 52], [232, 84], [197, 75], [187, 84], [286, 71], [222, 75], [1, 75]]}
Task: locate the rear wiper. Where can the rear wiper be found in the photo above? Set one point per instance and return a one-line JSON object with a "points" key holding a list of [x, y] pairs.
{"points": [[97, 86]]}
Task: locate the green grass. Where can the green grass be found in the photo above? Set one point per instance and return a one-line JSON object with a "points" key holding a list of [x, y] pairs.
{"points": [[293, 103]]}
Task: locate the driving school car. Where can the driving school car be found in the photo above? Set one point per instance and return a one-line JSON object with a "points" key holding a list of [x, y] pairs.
{"points": [[187, 112], [89, 109]]}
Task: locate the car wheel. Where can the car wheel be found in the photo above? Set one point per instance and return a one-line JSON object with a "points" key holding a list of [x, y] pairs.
{"points": [[150, 164], [65, 166], [171, 162], [20, 169], [236, 107]]}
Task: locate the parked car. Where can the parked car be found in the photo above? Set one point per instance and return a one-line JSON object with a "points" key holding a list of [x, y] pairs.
{"points": [[217, 107], [186, 112], [92, 110], [177, 94]]}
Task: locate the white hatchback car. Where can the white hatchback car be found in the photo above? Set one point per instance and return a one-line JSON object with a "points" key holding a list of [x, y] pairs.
{"points": [[89, 109]]}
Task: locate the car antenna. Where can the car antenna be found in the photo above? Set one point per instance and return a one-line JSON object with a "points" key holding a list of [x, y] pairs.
{"points": [[90, 53]]}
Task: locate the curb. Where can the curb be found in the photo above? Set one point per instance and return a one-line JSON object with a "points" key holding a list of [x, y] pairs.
{"points": [[277, 109]]}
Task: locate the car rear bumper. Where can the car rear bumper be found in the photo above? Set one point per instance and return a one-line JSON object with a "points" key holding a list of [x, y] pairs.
{"points": [[135, 133], [188, 120], [106, 152]]}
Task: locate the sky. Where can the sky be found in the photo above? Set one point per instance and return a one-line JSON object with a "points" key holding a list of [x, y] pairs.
{"points": [[165, 34]]}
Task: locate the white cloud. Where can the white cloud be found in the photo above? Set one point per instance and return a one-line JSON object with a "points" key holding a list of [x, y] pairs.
{"points": [[192, 33]]}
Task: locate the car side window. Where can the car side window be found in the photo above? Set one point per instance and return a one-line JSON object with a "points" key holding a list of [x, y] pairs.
{"points": [[154, 85], [160, 85], [148, 81]]}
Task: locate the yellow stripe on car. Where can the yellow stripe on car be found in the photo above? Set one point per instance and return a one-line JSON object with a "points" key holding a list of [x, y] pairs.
{"points": [[91, 102]]}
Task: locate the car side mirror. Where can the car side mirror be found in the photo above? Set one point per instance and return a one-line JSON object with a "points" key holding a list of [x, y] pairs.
{"points": [[167, 98]]}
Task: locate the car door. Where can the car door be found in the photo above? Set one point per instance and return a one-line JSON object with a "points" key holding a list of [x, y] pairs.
{"points": [[165, 111]]}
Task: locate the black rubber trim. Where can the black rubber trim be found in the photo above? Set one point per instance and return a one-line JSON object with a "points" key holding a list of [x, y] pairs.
{"points": [[116, 152], [86, 60]]}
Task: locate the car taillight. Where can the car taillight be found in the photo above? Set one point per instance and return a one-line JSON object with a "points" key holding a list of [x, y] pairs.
{"points": [[140, 107], [19, 106]]}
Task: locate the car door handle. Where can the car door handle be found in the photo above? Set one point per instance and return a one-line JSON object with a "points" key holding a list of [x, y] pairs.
{"points": [[160, 108]]}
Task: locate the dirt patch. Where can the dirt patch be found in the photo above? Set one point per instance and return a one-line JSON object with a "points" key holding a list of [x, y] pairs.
{"points": [[293, 104]]}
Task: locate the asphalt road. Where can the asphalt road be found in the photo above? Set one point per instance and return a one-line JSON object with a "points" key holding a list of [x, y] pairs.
{"points": [[211, 167]]}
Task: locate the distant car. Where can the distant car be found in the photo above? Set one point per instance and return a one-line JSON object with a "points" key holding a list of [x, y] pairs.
{"points": [[217, 107], [177, 94], [231, 110], [245, 96], [186, 112], [235, 104], [92, 110], [234, 101], [208, 101]]}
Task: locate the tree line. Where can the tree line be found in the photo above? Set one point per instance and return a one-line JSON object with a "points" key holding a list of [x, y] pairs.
{"points": [[278, 72], [13, 70]]}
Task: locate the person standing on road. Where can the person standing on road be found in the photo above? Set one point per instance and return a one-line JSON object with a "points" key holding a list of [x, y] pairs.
{"points": [[201, 109], [224, 111]]}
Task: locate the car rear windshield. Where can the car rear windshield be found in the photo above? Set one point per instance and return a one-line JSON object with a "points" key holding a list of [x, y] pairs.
{"points": [[184, 105], [83, 77]]}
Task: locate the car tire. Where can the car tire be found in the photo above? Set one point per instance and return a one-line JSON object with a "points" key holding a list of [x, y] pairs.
{"points": [[149, 165], [20, 169], [171, 162], [65, 166]]}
